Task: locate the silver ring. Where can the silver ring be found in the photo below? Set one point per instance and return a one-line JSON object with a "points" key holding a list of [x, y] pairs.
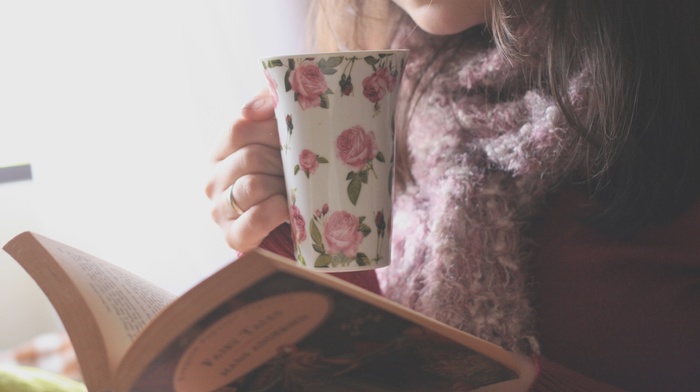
{"points": [[232, 201]]}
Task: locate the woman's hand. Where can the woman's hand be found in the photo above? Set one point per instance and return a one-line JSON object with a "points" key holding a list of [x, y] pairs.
{"points": [[248, 176]]}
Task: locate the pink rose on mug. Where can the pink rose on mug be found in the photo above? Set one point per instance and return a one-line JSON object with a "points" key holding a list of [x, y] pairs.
{"points": [[298, 224], [355, 147], [309, 83], [375, 86], [308, 161], [341, 234]]}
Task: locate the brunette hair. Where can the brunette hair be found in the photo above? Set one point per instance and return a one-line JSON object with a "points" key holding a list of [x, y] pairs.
{"points": [[641, 124]]}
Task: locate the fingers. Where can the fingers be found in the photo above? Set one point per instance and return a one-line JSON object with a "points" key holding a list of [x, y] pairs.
{"points": [[259, 108], [244, 132], [250, 229], [251, 159], [261, 198], [248, 173], [246, 192], [257, 125]]}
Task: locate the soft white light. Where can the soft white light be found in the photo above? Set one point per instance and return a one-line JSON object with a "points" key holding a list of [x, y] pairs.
{"points": [[117, 104]]}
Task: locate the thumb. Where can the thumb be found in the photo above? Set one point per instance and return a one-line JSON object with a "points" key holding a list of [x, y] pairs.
{"points": [[259, 108]]}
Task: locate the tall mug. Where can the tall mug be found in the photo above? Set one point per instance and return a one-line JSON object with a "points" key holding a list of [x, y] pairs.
{"points": [[335, 116]]}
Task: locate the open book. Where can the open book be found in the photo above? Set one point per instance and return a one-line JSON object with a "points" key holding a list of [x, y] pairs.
{"points": [[259, 324]]}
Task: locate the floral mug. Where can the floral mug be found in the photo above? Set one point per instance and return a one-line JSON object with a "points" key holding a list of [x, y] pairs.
{"points": [[335, 116]]}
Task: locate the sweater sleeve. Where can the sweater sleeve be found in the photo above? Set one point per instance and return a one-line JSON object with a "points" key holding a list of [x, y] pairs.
{"points": [[623, 311], [280, 242]]}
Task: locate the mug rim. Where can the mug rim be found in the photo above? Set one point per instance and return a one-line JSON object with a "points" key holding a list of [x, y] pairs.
{"points": [[336, 53]]}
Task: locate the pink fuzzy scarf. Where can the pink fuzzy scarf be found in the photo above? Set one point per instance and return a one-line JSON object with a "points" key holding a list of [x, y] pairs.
{"points": [[485, 152]]}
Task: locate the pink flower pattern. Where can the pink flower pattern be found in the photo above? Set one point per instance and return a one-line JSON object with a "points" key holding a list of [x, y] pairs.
{"points": [[298, 224], [375, 86], [341, 234], [339, 241], [308, 162], [355, 147], [306, 78], [358, 149], [337, 236], [308, 83]]}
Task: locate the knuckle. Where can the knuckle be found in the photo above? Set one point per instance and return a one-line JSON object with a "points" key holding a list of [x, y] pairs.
{"points": [[233, 242], [242, 238], [209, 189], [275, 211], [255, 187], [248, 156], [235, 128], [274, 158], [247, 185], [256, 158], [280, 206], [214, 212]]}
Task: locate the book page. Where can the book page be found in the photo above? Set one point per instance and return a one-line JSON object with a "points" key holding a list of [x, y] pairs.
{"points": [[122, 302], [102, 306]]}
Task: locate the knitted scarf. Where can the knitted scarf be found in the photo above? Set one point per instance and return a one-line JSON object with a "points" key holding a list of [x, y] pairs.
{"points": [[485, 151]]}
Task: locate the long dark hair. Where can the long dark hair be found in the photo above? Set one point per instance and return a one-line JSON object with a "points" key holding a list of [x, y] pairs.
{"points": [[642, 121]]}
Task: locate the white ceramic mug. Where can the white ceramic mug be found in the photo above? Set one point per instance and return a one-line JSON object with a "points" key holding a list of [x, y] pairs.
{"points": [[335, 115]]}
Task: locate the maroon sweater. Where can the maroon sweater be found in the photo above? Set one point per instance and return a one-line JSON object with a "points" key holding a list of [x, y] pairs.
{"points": [[625, 313]]}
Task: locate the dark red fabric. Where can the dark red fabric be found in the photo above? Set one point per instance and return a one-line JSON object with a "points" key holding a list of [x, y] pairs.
{"points": [[627, 313], [553, 377], [280, 242]]}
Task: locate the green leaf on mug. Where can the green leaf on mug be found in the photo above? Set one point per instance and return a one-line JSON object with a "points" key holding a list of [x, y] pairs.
{"points": [[323, 260], [328, 65], [362, 259], [380, 157], [371, 60], [365, 230], [324, 101], [315, 234], [340, 259], [364, 177], [287, 83], [296, 169], [354, 188], [318, 249]]}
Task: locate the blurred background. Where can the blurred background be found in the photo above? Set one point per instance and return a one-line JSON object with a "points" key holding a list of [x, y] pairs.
{"points": [[115, 105]]}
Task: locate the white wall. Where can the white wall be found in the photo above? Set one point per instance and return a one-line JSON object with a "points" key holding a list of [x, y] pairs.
{"points": [[116, 105]]}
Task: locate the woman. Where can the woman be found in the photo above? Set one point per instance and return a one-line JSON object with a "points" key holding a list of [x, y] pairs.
{"points": [[548, 179]]}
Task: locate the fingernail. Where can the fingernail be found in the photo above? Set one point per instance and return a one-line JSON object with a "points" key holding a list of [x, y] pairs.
{"points": [[254, 104]]}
